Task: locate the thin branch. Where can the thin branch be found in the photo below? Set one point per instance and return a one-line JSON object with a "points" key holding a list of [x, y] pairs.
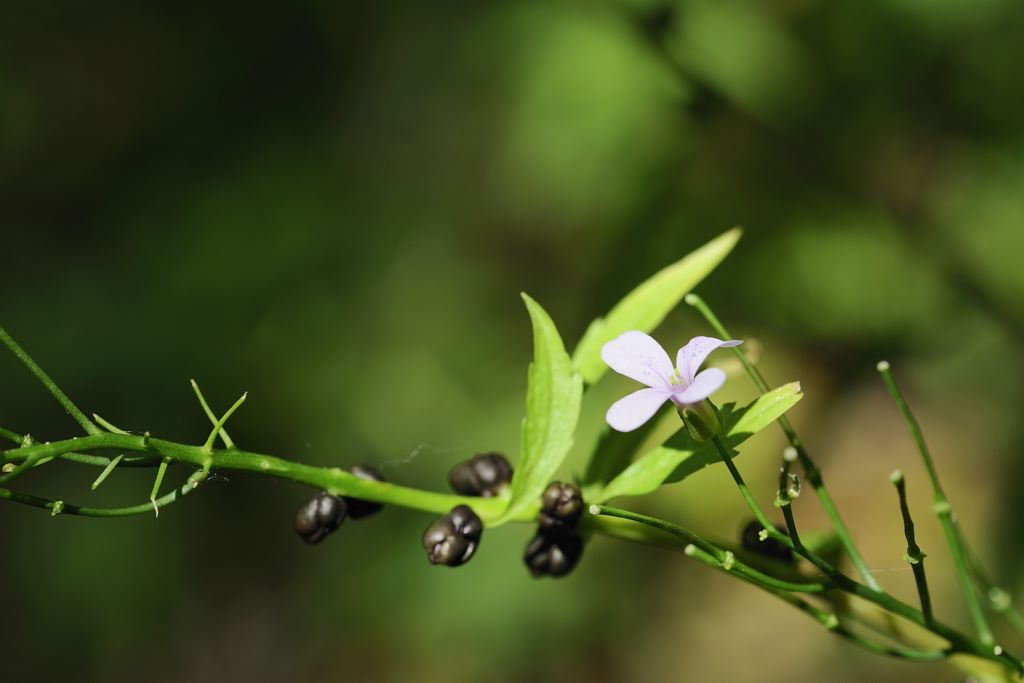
{"points": [[943, 510], [811, 471], [219, 424], [62, 398], [228, 443]]}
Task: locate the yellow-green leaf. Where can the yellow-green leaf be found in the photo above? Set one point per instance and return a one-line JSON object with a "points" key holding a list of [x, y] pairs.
{"points": [[647, 305], [681, 456], [553, 394]]}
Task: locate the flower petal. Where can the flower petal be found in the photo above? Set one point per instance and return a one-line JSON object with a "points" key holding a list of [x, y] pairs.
{"points": [[690, 357], [703, 385], [637, 356], [630, 412]]}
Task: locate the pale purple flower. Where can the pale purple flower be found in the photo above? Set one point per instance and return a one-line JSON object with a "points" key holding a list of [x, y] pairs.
{"points": [[637, 356]]}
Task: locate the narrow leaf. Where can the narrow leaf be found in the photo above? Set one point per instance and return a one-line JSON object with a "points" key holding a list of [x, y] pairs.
{"points": [[647, 305], [553, 394], [681, 456], [615, 450]]}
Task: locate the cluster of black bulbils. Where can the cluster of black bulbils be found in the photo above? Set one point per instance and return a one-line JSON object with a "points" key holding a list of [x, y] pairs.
{"points": [[452, 540], [323, 513], [553, 551]]}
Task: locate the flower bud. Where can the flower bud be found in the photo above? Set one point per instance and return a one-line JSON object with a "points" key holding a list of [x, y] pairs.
{"points": [[769, 547], [702, 420], [453, 539], [357, 509], [553, 555], [561, 507], [485, 474], [319, 516]]}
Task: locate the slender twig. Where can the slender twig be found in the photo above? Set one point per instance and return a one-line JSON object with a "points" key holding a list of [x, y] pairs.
{"points": [[958, 643], [811, 472], [219, 424], [86, 458], [156, 485], [332, 479], [792, 540], [85, 511], [943, 509], [339, 482], [106, 471], [62, 398], [762, 518], [724, 558], [228, 443], [107, 425], [828, 619], [833, 624], [10, 436], [914, 555]]}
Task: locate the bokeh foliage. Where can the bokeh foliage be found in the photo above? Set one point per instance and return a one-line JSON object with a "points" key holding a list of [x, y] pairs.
{"points": [[334, 207]]}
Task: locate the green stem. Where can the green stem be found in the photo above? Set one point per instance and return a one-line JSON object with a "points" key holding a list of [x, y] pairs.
{"points": [[943, 510], [914, 555], [106, 471], [725, 559], [792, 541], [62, 398], [340, 482], [831, 622], [84, 511], [219, 424], [228, 443], [811, 472], [958, 643], [10, 436], [759, 514], [86, 459], [334, 480]]}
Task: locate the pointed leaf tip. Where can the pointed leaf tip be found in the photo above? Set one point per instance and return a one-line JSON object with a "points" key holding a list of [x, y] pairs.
{"points": [[647, 305], [553, 394]]}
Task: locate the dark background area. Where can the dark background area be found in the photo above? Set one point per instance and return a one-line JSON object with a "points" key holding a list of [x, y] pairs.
{"points": [[334, 207]]}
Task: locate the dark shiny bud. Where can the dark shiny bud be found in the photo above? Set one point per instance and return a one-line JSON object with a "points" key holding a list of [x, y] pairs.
{"points": [[485, 474], [548, 555], [319, 516], [357, 509], [769, 547], [453, 539], [561, 507]]}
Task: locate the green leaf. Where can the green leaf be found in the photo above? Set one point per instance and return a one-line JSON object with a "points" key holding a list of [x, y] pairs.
{"points": [[553, 395], [615, 450], [647, 305], [681, 456]]}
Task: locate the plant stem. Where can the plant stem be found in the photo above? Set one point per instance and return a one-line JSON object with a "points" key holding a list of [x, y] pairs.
{"points": [[219, 424], [62, 398], [106, 471], [914, 555], [943, 510], [333, 480], [724, 558], [958, 643], [811, 471], [10, 436], [831, 622], [759, 514], [85, 511], [228, 443]]}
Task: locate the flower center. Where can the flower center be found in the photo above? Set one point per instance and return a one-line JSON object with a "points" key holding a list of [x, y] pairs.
{"points": [[676, 379]]}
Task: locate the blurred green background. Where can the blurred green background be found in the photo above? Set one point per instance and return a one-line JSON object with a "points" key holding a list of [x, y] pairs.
{"points": [[334, 207]]}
